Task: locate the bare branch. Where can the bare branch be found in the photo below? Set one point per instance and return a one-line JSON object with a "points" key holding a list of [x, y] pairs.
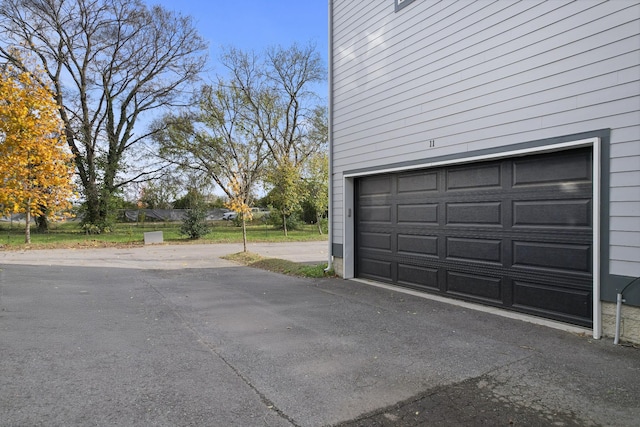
{"points": [[111, 62]]}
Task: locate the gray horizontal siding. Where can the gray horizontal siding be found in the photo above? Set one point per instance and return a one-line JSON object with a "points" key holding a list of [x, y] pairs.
{"points": [[625, 194], [625, 200], [625, 208], [625, 224], [444, 68], [625, 253], [624, 268], [626, 139], [567, 90], [478, 75], [440, 113], [625, 238], [626, 164], [625, 179]]}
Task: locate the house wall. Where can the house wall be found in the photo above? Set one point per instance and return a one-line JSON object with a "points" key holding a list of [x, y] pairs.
{"points": [[445, 78]]}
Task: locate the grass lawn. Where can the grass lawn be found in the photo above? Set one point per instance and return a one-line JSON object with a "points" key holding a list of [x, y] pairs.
{"points": [[69, 234]]}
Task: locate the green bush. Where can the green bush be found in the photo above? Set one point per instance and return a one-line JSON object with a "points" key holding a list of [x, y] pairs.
{"points": [[91, 228], [194, 224], [293, 221]]}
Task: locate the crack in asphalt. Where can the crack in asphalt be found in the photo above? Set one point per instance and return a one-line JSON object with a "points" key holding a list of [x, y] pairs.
{"points": [[212, 349]]}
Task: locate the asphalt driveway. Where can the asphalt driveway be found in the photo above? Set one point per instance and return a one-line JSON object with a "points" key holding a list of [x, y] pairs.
{"points": [[168, 336]]}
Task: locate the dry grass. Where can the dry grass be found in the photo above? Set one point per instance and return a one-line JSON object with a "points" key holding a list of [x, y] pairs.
{"points": [[280, 265]]}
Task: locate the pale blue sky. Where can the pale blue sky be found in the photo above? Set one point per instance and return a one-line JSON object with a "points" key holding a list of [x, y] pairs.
{"points": [[256, 24]]}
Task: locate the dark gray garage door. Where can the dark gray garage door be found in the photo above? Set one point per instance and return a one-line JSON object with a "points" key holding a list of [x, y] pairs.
{"points": [[514, 233]]}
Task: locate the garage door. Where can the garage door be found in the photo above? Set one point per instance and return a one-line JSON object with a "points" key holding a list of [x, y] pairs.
{"points": [[514, 233]]}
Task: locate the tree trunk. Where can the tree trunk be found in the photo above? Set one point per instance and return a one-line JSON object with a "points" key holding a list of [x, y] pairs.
{"points": [[97, 208], [284, 225], [92, 207], [244, 234], [318, 218], [42, 223], [27, 229], [103, 210]]}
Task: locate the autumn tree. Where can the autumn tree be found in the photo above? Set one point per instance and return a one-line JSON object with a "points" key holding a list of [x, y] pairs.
{"points": [[288, 115], [239, 203], [215, 140], [35, 164], [111, 64]]}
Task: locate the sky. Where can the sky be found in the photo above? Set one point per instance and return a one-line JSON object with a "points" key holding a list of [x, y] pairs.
{"points": [[256, 24]]}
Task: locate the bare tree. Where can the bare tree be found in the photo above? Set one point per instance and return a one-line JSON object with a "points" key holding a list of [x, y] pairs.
{"points": [[277, 87], [110, 63]]}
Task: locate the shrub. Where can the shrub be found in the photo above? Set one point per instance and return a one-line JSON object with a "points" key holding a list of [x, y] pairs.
{"points": [[194, 223], [293, 221]]}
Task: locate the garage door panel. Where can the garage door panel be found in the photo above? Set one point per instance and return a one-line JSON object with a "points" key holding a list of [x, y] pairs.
{"points": [[418, 213], [565, 168], [515, 233], [418, 183], [484, 213], [375, 268], [375, 213], [473, 177], [376, 185], [474, 249], [417, 245], [377, 241], [552, 213], [574, 304], [568, 257], [474, 285], [412, 275]]}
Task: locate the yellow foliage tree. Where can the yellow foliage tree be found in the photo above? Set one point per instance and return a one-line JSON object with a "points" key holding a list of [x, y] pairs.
{"points": [[35, 164], [238, 202]]}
